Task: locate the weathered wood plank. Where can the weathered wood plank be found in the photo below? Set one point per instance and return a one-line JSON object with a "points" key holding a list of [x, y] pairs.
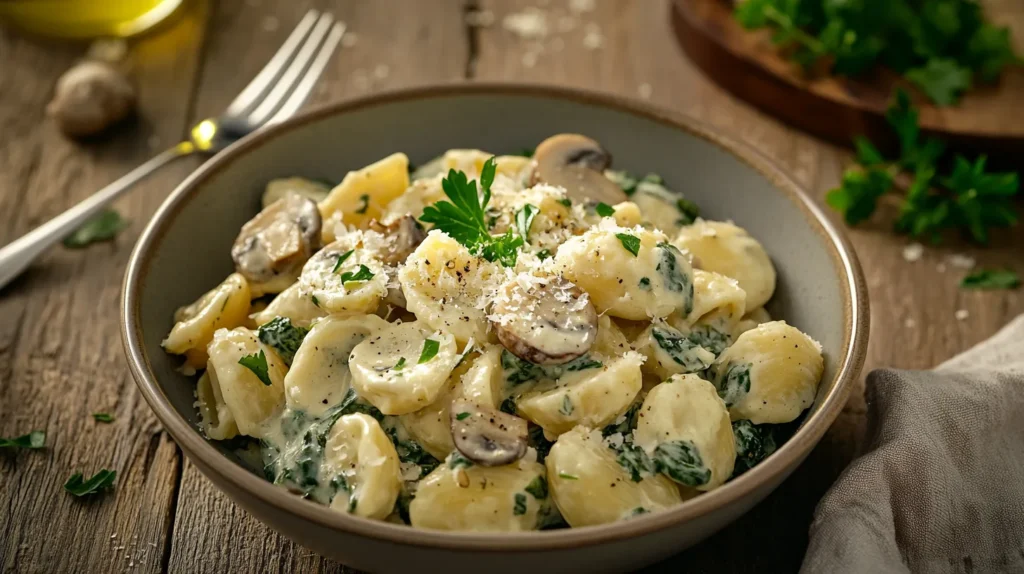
{"points": [[426, 44], [60, 350]]}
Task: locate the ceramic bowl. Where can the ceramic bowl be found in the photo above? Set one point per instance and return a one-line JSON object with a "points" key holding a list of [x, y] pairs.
{"points": [[184, 251]]}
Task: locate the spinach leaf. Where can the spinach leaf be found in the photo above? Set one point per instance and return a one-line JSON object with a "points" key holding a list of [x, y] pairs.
{"points": [[283, 337], [753, 444], [682, 349], [102, 480], [735, 384], [680, 460]]}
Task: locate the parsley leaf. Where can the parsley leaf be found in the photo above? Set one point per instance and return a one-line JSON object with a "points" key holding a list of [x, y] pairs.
{"points": [[463, 216], [364, 204], [99, 482], [604, 210], [430, 348], [399, 365], [630, 242], [942, 80], [34, 440], [363, 274], [103, 227], [462, 416], [103, 417], [524, 219], [991, 279], [858, 194], [341, 259], [257, 363]]}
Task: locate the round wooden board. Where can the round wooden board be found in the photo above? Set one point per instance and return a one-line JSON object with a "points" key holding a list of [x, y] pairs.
{"points": [[990, 119]]}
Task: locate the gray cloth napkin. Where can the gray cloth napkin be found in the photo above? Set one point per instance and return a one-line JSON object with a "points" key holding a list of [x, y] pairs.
{"points": [[940, 487]]}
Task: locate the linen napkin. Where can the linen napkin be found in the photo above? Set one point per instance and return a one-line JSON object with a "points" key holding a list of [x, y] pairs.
{"points": [[940, 487]]}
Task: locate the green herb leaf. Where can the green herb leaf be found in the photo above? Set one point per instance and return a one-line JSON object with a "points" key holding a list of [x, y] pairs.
{"points": [[538, 488], [456, 460], [942, 80], [363, 274], [568, 476], [341, 259], [565, 201], [630, 242], [103, 417], [857, 195], [284, 337], [519, 508], [430, 348], [604, 210], [34, 440], [463, 216], [257, 363], [315, 300], [364, 204], [399, 365], [462, 416], [524, 219], [867, 154], [567, 407], [103, 227], [102, 480], [544, 254], [991, 279]]}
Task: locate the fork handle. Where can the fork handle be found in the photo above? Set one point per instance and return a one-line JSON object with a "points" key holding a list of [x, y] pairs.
{"points": [[17, 255]]}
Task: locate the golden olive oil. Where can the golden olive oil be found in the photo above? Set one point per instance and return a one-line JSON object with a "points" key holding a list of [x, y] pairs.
{"points": [[86, 18]]}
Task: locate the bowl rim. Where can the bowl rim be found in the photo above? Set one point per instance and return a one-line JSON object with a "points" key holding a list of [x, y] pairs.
{"points": [[849, 364]]}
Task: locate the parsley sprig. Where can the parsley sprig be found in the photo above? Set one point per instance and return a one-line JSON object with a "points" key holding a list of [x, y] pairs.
{"points": [[940, 46], [463, 217], [969, 198]]}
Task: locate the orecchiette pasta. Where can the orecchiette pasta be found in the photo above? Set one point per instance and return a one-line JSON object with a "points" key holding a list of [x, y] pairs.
{"points": [[727, 249], [589, 486], [495, 344], [770, 374]]}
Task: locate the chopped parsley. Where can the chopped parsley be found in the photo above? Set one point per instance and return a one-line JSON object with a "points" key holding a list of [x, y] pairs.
{"points": [[257, 363], [462, 416], [520, 504], [565, 201], [544, 254], [364, 204], [398, 366], [604, 210], [630, 242], [645, 283], [991, 279], [524, 219], [34, 440], [568, 476], [341, 259], [463, 217], [102, 480], [102, 227], [456, 460], [363, 274], [315, 301], [430, 348], [103, 417]]}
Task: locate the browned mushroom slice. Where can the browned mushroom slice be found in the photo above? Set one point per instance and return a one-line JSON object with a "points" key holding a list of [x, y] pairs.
{"points": [[279, 240], [486, 435], [576, 163], [401, 237], [546, 321]]}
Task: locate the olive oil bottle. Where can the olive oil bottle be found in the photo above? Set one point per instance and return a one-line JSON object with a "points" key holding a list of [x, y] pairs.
{"points": [[86, 18]]}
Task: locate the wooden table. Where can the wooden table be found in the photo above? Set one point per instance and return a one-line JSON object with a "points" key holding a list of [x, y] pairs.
{"points": [[60, 350]]}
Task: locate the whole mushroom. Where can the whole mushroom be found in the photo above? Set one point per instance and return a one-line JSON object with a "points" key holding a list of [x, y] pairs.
{"points": [[576, 163], [89, 98], [278, 241]]}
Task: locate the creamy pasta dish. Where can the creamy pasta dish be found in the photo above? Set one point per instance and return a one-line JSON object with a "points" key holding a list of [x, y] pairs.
{"points": [[505, 343]]}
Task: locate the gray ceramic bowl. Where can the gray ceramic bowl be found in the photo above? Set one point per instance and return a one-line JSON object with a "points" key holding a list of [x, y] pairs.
{"points": [[184, 251]]}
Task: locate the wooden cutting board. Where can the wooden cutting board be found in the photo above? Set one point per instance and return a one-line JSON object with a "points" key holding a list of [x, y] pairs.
{"points": [[989, 119]]}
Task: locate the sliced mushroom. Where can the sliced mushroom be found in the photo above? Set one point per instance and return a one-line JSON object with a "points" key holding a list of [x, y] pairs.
{"points": [[401, 237], [279, 240], [576, 163], [486, 435], [546, 321]]}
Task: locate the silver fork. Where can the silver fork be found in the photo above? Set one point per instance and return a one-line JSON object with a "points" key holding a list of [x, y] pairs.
{"points": [[275, 94]]}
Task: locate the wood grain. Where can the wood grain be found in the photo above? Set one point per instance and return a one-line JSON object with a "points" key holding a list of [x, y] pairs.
{"points": [[60, 351], [60, 357], [751, 68]]}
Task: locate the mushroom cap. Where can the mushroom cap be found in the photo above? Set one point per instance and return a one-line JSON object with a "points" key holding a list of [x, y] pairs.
{"points": [[487, 436], [401, 237], [278, 240], [576, 163], [546, 321]]}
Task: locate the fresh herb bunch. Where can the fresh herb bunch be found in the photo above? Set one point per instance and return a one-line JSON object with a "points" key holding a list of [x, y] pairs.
{"points": [[969, 198], [941, 46], [464, 216]]}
